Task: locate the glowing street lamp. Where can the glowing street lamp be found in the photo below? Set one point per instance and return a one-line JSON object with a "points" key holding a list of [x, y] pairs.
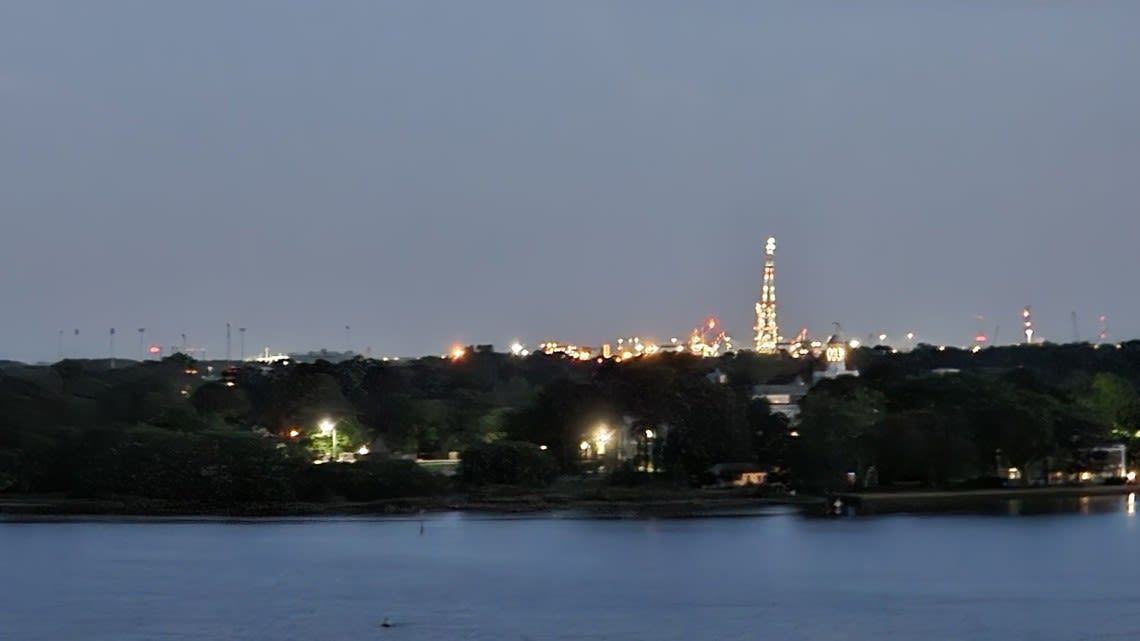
{"points": [[649, 436], [602, 438], [329, 427]]}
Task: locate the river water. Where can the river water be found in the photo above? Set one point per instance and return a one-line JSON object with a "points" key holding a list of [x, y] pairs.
{"points": [[775, 575]]}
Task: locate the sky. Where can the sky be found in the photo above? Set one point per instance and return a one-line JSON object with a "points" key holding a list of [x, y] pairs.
{"points": [[436, 172]]}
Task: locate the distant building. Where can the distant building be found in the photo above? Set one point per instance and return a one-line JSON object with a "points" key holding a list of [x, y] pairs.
{"points": [[783, 399], [736, 474], [1101, 463], [836, 357], [322, 355], [266, 357]]}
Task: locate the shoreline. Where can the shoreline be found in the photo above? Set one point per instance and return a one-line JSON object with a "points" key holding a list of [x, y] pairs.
{"points": [[678, 504], [521, 504], [1001, 493], [946, 501]]}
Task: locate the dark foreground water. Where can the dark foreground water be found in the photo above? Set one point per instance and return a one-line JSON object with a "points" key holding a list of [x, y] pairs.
{"points": [[1047, 576]]}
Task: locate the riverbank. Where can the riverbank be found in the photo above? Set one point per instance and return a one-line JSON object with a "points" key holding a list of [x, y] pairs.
{"points": [[969, 500], [591, 501]]}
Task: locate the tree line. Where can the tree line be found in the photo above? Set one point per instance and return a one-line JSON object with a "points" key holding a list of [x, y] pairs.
{"points": [[202, 432]]}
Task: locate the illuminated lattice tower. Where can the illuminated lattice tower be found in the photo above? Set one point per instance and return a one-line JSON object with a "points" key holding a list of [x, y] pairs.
{"points": [[767, 331]]}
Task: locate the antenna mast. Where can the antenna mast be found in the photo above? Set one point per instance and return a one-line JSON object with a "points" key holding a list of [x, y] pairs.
{"points": [[767, 330]]}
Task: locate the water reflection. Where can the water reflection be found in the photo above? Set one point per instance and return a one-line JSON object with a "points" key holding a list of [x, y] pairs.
{"points": [[939, 577], [1131, 509]]}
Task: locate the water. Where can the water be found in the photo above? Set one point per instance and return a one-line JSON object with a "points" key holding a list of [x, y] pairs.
{"points": [[781, 576]]}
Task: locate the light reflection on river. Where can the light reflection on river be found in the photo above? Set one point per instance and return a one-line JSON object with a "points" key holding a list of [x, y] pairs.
{"points": [[1058, 576]]}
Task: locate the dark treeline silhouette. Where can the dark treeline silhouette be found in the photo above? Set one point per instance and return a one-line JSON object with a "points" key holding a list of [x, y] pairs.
{"points": [[202, 434]]}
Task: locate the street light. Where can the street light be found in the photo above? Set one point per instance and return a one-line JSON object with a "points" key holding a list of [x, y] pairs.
{"points": [[329, 427], [649, 436], [602, 438]]}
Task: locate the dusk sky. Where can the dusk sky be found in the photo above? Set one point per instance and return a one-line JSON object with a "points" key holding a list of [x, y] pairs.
{"points": [[479, 172]]}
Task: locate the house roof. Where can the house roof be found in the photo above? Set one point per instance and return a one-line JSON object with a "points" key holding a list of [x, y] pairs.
{"points": [[732, 469], [794, 389]]}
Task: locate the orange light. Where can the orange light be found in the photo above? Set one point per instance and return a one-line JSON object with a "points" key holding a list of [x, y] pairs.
{"points": [[294, 433]]}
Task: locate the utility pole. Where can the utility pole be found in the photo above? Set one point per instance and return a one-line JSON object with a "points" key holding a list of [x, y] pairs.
{"points": [[229, 361], [347, 339], [241, 341], [142, 344], [112, 339], [59, 344]]}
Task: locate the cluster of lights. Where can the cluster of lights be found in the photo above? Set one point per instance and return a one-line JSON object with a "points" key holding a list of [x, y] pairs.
{"points": [[709, 340], [633, 347], [601, 437], [573, 351], [836, 353], [767, 330], [803, 348], [268, 358]]}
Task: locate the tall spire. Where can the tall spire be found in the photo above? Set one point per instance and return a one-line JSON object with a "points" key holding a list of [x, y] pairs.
{"points": [[767, 330]]}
